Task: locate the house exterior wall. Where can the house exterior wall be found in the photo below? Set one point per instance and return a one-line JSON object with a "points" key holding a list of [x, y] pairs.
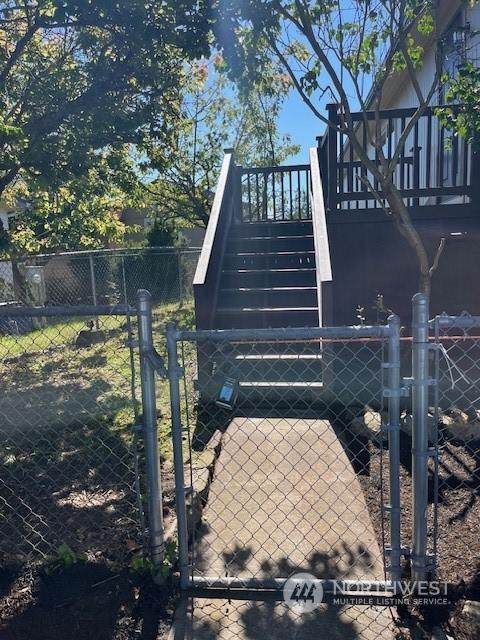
{"points": [[405, 96], [399, 93], [370, 257]]}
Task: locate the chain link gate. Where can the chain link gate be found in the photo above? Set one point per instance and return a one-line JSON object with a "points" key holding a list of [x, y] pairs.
{"points": [[274, 432]]}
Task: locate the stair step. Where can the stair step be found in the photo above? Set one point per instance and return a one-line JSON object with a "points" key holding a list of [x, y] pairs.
{"points": [[270, 260], [276, 348], [268, 297], [284, 368], [282, 385], [286, 395], [270, 244], [239, 318], [269, 229], [268, 277]]}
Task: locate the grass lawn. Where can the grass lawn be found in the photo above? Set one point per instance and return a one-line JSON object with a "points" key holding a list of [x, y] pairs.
{"points": [[46, 380], [66, 444]]}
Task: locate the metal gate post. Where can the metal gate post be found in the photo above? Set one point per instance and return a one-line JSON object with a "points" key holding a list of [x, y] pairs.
{"points": [[420, 451], [394, 445], [152, 458], [174, 373]]}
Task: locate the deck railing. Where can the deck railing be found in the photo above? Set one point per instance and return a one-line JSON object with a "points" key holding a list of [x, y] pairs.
{"points": [[275, 193], [434, 166]]}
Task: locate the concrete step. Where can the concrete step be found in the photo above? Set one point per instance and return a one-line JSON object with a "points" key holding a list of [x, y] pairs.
{"points": [[262, 244], [268, 297], [269, 260], [268, 278], [269, 229], [240, 318]]}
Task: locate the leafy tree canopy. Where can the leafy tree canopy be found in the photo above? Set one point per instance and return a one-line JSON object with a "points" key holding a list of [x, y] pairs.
{"points": [[343, 51], [77, 76], [214, 115], [463, 90], [81, 213]]}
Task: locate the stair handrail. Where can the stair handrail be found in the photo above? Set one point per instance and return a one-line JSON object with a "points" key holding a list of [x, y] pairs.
{"points": [[207, 275], [320, 230]]}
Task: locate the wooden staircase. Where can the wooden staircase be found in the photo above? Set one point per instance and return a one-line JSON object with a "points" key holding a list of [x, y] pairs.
{"points": [[263, 269], [268, 277]]}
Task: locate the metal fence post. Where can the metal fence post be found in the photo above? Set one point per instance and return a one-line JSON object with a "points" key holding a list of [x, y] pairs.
{"points": [[93, 284], [150, 438], [174, 373], [394, 445], [180, 283], [420, 451]]}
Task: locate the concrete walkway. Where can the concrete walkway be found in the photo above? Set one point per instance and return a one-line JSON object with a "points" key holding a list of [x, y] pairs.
{"points": [[285, 499]]}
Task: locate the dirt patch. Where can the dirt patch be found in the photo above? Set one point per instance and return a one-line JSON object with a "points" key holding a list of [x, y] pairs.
{"points": [[458, 517], [90, 599], [82, 602]]}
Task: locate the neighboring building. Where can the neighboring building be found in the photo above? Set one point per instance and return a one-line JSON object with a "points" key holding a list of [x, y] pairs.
{"points": [[6, 267], [137, 218]]}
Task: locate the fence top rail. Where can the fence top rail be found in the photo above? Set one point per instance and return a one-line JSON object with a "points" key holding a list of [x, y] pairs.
{"points": [[463, 321], [8, 311], [287, 335], [85, 253]]}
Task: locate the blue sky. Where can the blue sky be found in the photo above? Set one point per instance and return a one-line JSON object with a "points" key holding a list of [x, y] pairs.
{"points": [[297, 120]]}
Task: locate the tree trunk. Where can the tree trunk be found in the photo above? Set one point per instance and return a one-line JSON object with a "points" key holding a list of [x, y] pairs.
{"points": [[405, 225]]}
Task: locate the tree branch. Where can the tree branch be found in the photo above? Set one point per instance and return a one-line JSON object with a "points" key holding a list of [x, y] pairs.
{"points": [[20, 46], [438, 255], [298, 86]]}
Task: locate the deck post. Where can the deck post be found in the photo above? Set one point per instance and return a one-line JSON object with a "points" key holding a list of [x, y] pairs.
{"points": [[332, 155], [475, 171]]}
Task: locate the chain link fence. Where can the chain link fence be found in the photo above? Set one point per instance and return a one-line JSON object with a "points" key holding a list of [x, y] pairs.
{"points": [[455, 476], [68, 475], [281, 476], [292, 448], [98, 277], [71, 470]]}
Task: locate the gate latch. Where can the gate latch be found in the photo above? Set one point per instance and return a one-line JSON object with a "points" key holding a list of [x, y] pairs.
{"points": [[429, 382], [157, 363]]}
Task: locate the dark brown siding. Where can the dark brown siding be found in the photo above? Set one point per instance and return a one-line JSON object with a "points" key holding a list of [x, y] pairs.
{"points": [[369, 257]]}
